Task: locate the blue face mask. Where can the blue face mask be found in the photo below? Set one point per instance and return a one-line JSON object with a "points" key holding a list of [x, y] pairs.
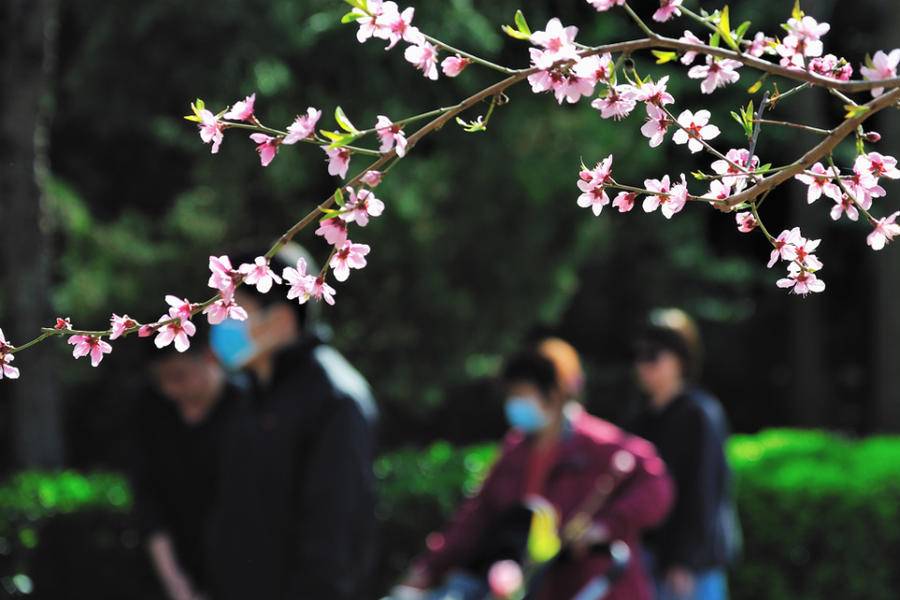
{"points": [[525, 413], [232, 344]]}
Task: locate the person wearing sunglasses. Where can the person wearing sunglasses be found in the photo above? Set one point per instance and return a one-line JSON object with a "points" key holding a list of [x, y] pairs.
{"points": [[688, 554]]}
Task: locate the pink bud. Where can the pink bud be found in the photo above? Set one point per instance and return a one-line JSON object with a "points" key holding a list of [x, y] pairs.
{"points": [[146, 330], [872, 137], [371, 178], [62, 324], [505, 579]]}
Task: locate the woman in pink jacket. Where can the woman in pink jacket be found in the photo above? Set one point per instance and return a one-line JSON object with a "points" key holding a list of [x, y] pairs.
{"points": [[557, 451]]}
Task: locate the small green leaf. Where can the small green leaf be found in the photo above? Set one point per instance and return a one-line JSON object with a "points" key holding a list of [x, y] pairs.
{"points": [[339, 197], [756, 86], [699, 175], [742, 30], [515, 33], [350, 17], [765, 168], [343, 121], [193, 118], [360, 4], [855, 110], [521, 23], [796, 13], [662, 57], [329, 213], [714, 40], [724, 28], [472, 126], [738, 118]]}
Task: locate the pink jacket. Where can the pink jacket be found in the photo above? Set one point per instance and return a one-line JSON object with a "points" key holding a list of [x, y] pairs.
{"points": [[642, 501]]}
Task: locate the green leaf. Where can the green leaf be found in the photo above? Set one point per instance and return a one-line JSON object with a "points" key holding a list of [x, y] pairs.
{"points": [[343, 121], [339, 197], [521, 23], [337, 138], [662, 57], [350, 17], [765, 168], [360, 4], [796, 13], [515, 33], [714, 40], [742, 30], [193, 118], [855, 110], [756, 86], [738, 118], [724, 28], [699, 175], [472, 126]]}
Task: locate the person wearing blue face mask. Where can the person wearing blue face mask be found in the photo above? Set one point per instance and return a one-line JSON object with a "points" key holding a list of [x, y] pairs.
{"points": [[295, 515], [554, 451]]}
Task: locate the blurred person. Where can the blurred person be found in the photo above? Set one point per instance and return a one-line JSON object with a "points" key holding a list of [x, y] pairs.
{"points": [[295, 512], [558, 452], [690, 551], [175, 472]]}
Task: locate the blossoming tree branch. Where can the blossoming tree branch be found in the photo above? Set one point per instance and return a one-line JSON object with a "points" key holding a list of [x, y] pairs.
{"points": [[733, 180]]}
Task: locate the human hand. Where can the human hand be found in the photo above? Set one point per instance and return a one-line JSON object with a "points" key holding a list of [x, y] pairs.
{"points": [[680, 581]]}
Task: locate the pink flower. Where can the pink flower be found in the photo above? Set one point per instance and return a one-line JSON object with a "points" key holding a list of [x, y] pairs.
{"points": [[322, 291], [878, 165], [885, 231], [667, 8], [656, 126], [424, 56], [222, 275], [807, 28], [62, 324], [267, 146], [334, 230], [349, 256], [558, 43], [147, 330], [624, 201], [6, 357], [592, 182], [393, 25], [338, 161], [572, 88], [390, 134], [718, 190], [454, 65], [801, 281], [674, 203], [819, 179], [301, 283], [803, 251], [505, 579], [672, 200], [368, 22], [259, 274], [654, 93], [211, 130], [179, 307], [617, 104], [694, 127], [845, 205], [120, 325], [242, 110], [178, 331], [783, 247], [832, 67], [89, 345], [733, 176], [605, 5], [715, 74], [746, 222], [362, 205], [596, 68], [884, 66], [371, 178], [690, 38], [303, 126], [759, 44], [864, 186], [224, 308]]}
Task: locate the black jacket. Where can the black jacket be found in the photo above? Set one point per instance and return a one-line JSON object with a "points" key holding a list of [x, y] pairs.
{"points": [[175, 473], [294, 515], [702, 531]]}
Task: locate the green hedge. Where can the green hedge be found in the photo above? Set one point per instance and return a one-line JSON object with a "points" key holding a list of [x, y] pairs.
{"points": [[820, 513]]}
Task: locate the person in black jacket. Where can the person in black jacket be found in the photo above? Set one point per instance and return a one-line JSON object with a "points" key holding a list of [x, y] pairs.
{"points": [[178, 431], [294, 518], [690, 551]]}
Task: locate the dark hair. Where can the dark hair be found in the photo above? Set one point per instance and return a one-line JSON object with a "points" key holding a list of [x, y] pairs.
{"points": [[674, 330], [531, 367], [306, 313]]}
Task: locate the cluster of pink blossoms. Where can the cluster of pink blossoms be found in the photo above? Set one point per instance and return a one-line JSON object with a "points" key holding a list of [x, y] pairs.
{"points": [[385, 21], [798, 251]]}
